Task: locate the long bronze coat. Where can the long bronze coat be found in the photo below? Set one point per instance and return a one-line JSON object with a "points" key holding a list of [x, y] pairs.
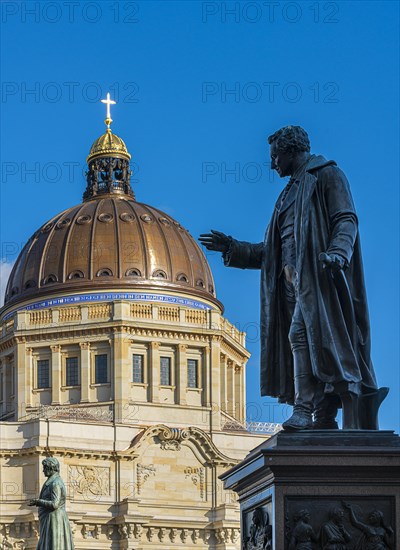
{"points": [[325, 221], [54, 527]]}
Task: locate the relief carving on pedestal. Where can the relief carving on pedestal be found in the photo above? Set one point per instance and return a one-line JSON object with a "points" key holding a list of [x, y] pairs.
{"points": [[351, 523], [257, 530]]}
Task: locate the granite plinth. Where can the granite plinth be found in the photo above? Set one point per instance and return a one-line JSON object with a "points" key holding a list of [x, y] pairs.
{"points": [[337, 477]]}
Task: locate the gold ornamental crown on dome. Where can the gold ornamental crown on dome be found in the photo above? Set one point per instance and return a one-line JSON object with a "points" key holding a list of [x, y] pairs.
{"points": [[108, 144]]}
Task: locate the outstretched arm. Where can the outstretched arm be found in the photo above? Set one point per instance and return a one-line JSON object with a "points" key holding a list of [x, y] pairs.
{"points": [[235, 253]]}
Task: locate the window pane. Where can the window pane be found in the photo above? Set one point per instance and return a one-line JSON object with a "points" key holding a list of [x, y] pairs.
{"points": [[137, 372], [192, 373], [72, 371], [165, 371], [101, 375], [43, 373]]}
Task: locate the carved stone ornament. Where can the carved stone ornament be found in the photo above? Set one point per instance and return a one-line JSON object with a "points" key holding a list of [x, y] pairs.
{"points": [[143, 472], [171, 438], [89, 481], [197, 476]]}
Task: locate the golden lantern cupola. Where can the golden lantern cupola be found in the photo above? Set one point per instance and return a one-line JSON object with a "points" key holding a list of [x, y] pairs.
{"points": [[108, 163]]}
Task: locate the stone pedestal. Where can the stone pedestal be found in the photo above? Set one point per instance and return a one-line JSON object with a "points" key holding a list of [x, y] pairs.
{"points": [[317, 490]]}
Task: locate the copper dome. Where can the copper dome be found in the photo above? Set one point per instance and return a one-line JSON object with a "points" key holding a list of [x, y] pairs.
{"points": [[110, 241]]}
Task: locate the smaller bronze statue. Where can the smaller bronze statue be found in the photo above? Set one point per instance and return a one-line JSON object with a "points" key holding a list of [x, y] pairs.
{"points": [[303, 536], [54, 528], [333, 533], [376, 535]]}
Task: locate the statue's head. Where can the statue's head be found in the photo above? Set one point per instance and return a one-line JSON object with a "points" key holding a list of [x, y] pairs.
{"points": [[259, 517], [50, 466], [302, 515], [337, 515], [375, 517], [287, 144]]}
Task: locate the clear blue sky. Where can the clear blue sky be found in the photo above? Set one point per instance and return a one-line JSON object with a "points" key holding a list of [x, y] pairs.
{"points": [[199, 86]]}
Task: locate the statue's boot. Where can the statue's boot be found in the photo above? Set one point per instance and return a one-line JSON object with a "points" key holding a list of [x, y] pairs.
{"points": [[325, 413], [369, 404], [304, 390]]}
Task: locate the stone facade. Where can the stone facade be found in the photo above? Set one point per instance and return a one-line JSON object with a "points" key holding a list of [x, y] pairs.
{"points": [[140, 449]]}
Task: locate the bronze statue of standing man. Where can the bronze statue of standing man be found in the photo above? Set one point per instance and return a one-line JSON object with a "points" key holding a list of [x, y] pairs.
{"points": [[315, 336], [54, 528]]}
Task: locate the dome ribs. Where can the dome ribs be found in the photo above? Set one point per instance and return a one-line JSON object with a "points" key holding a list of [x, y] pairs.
{"points": [[113, 242], [54, 249], [170, 274], [92, 233], [188, 268], [118, 240]]}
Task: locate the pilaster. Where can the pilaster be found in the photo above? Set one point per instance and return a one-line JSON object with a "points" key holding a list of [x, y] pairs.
{"points": [[181, 374], [154, 371], [56, 378], [122, 378], [85, 371]]}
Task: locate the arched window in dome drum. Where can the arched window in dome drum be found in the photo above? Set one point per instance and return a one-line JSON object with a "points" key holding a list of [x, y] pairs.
{"points": [[104, 272], [77, 274], [30, 284], [50, 279], [200, 283], [159, 274], [182, 278], [133, 273]]}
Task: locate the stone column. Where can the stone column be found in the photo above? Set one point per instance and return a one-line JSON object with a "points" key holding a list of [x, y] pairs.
{"points": [[224, 382], [85, 371], [231, 388], [239, 397], [215, 382], [19, 375], [29, 377], [181, 374], [121, 375], [56, 375], [3, 385], [154, 373], [207, 378]]}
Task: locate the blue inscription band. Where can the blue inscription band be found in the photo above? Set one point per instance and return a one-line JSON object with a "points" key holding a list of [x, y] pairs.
{"points": [[111, 296]]}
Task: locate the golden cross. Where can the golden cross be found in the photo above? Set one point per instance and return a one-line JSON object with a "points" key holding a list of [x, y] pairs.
{"points": [[108, 102]]}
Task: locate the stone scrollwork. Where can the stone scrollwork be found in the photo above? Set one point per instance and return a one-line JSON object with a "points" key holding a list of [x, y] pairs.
{"points": [[143, 472], [171, 438], [197, 475]]}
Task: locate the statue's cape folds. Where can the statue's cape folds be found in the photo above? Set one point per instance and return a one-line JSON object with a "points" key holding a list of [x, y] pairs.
{"points": [[325, 221]]}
